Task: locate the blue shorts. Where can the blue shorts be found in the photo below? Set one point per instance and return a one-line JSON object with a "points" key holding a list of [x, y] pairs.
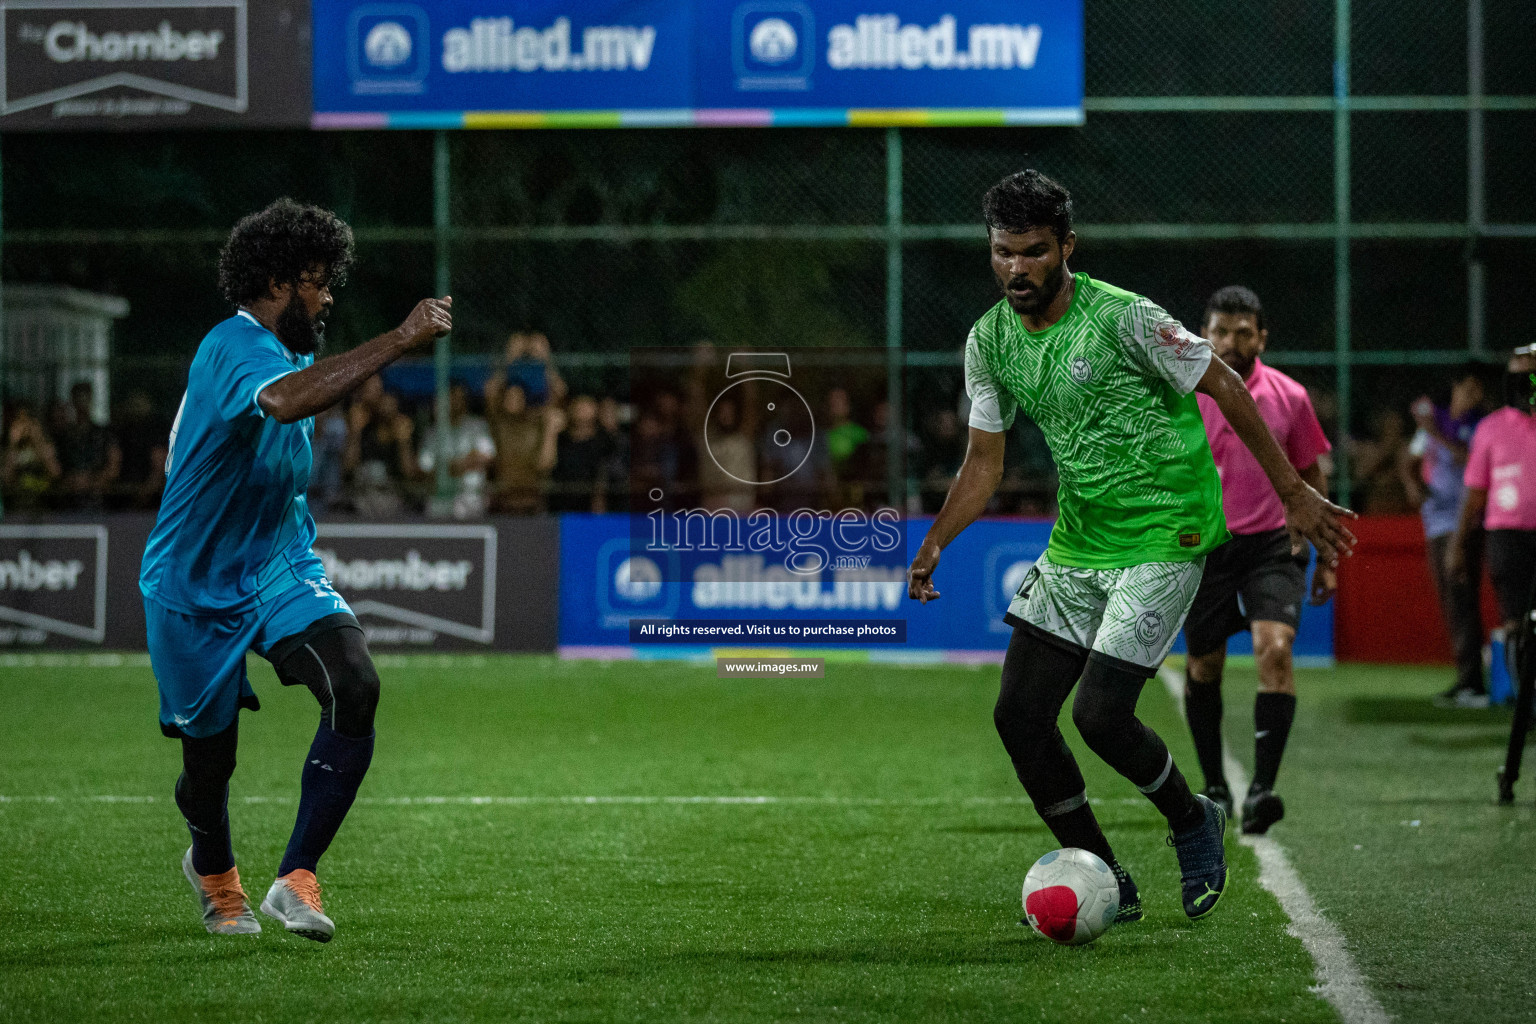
{"points": [[199, 660]]}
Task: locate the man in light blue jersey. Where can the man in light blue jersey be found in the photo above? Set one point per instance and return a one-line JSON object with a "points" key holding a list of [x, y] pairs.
{"points": [[230, 564]]}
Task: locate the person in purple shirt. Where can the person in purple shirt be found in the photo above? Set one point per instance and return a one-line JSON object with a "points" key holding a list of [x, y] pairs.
{"points": [[1433, 480]]}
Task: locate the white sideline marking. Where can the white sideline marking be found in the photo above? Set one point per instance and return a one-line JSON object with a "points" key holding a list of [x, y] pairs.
{"points": [[1339, 980], [65, 660], [525, 801]]}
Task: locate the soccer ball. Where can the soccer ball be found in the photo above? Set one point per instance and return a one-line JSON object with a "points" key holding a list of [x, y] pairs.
{"points": [[1071, 897]]}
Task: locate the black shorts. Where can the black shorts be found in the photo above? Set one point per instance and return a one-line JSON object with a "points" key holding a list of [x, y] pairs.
{"points": [[1511, 558], [1252, 576]]}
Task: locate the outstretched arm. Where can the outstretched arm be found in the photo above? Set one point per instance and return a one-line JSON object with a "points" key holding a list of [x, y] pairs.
{"points": [[967, 499], [1308, 514], [300, 395]]}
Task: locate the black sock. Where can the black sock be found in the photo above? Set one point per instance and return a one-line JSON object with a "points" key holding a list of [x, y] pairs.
{"points": [[1202, 706], [1272, 716], [333, 771], [202, 796], [1078, 826], [1105, 714]]}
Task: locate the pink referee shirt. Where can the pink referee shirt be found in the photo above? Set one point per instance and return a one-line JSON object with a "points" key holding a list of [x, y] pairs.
{"points": [[1251, 504], [1503, 463]]}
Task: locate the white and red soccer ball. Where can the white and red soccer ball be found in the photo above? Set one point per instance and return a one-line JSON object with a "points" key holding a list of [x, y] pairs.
{"points": [[1071, 897]]}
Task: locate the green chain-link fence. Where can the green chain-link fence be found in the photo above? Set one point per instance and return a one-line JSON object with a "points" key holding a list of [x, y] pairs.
{"points": [[1362, 164]]}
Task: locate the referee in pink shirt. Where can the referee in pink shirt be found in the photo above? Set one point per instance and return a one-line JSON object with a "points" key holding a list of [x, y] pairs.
{"points": [[1256, 580], [1501, 493]]}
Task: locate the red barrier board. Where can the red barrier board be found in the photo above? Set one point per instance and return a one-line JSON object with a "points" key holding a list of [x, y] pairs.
{"points": [[1387, 610]]}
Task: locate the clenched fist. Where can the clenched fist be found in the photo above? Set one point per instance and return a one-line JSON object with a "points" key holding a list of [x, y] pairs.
{"points": [[432, 318]]}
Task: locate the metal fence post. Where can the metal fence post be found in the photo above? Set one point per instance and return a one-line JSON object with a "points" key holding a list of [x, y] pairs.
{"points": [[1341, 217], [442, 352], [4, 347], [896, 419], [1477, 341]]}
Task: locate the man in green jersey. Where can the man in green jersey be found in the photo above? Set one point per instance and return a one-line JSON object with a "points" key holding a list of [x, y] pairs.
{"points": [[1109, 378]]}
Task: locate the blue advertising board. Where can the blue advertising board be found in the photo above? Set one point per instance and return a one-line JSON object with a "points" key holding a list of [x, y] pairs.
{"points": [[605, 583], [560, 63]]}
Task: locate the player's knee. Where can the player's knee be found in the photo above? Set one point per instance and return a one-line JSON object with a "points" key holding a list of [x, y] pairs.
{"points": [[209, 760], [1098, 722], [1015, 710], [1205, 670], [356, 685], [1272, 656], [1104, 710]]}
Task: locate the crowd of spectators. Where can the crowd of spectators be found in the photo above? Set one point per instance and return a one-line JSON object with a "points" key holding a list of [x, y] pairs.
{"points": [[515, 446], [525, 444], [63, 460]]}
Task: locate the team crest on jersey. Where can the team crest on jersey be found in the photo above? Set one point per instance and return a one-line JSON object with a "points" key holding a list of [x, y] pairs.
{"points": [[1082, 370], [1149, 628], [1172, 335]]}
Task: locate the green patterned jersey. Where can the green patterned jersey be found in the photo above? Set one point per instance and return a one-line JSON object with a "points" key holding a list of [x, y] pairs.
{"points": [[1111, 386]]}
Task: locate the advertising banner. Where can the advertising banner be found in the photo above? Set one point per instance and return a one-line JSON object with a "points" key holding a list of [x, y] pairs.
{"points": [[552, 63], [606, 583], [53, 582], [135, 64], [412, 585]]}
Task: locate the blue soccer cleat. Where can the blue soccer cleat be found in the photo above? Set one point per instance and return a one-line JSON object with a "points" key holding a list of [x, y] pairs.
{"points": [[1130, 896], [1202, 860]]}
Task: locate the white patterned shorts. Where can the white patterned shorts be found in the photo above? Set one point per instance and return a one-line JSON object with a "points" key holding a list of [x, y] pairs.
{"points": [[1132, 614]]}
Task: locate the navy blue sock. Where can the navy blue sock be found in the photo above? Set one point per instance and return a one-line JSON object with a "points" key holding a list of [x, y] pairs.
{"points": [[333, 771]]}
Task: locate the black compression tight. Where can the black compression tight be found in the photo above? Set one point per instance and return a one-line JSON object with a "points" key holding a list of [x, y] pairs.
{"points": [[336, 668], [1038, 674]]}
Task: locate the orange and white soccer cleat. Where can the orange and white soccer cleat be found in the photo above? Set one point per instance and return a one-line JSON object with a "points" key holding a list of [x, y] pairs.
{"points": [[294, 900], [226, 911]]}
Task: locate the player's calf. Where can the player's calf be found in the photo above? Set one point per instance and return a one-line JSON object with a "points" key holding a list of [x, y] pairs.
{"points": [[1105, 714], [335, 666]]}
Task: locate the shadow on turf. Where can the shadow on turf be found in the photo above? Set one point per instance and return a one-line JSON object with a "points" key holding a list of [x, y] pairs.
{"points": [[1419, 711], [169, 945], [1037, 828], [1482, 739], [1017, 947]]}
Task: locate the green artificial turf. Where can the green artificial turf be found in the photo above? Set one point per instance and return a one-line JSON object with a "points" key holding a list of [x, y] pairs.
{"points": [[882, 885], [1393, 824]]}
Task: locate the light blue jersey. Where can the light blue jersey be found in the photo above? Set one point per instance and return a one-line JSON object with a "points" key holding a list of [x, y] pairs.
{"points": [[234, 529]]}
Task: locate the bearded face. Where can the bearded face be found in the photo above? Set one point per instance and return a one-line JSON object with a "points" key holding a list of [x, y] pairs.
{"points": [[298, 330]]}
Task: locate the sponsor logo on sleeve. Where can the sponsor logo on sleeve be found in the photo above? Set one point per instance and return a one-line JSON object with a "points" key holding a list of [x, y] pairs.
{"points": [[1173, 337]]}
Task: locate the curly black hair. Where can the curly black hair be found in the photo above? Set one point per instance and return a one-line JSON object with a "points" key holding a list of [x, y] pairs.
{"points": [[282, 242], [1029, 200]]}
